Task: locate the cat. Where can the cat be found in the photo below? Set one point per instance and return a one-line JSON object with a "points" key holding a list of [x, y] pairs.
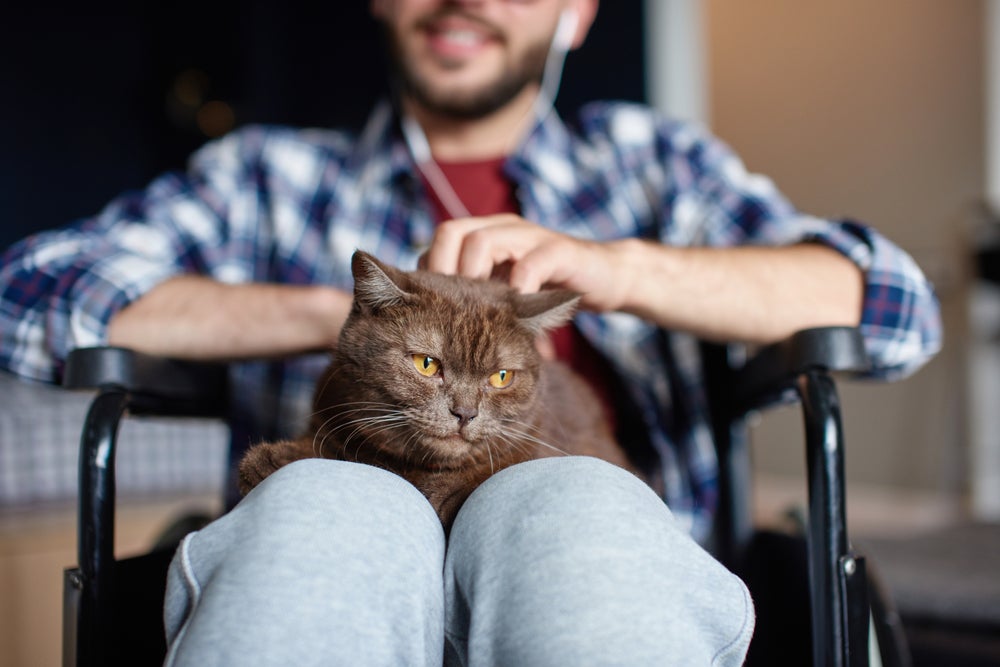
{"points": [[438, 379]]}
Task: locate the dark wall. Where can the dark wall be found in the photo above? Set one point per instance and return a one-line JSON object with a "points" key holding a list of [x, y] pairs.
{"points": [[98, 98]]}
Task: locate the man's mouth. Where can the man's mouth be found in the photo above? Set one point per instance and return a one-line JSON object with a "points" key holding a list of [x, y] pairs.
{"points": [[458, 37]]}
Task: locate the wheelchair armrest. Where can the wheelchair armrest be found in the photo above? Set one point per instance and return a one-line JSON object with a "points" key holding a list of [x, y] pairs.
{"points": [[803, 366], [773, 370], [139, 383], [154, 385]]}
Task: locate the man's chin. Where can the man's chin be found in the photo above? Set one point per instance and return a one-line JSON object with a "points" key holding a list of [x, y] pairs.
{"points": [[470, 91], [463, 103]]}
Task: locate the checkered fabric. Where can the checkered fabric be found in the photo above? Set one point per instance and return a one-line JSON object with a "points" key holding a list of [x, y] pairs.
{"points": [[40, 439], [288, 205]]}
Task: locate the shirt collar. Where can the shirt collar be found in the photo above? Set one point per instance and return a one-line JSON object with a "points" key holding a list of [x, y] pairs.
{"points": [[544, 154], [381, 146]]}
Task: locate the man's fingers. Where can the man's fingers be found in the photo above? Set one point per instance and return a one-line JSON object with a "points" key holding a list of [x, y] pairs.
{"points": [[480, 252], [547, 263], [446, 248], [472, 247], [488, 247], [533, 257], [571, 264]]}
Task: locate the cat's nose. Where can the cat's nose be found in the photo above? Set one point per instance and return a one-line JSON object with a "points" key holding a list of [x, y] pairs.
{"points": [[464, 414]]}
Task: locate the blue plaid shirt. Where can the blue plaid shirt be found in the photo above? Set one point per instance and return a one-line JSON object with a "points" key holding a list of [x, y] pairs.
{"points": [[291, 206]]}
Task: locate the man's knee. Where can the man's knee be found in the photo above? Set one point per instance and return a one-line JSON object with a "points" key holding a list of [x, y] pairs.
{"points": [[574, 489], [326, 488], [575, 554]]}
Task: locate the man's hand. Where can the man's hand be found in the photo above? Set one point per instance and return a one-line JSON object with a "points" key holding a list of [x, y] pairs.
{"points": [[750, 293], [531, 257]]}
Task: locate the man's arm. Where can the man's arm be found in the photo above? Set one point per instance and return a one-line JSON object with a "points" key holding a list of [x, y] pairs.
{"points": [[194, 317], [752, 294], [61, 289]]}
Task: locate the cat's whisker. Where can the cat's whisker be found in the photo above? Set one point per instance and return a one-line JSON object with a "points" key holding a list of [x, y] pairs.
{"points": [[385, 422], [406, 445], [520, 431], [373, 419], [515, 444], [523, 427], [355, 406], [332, 373], [391, 419], [425, 457]]}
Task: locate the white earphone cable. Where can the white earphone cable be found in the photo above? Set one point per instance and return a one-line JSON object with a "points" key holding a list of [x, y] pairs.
{"points": [[416, 140]]}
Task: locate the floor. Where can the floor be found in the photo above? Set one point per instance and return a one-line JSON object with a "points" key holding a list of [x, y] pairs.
{"points": [[37, 544]]}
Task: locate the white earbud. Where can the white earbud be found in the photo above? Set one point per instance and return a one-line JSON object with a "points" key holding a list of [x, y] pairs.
{"points": [[562, 41]]}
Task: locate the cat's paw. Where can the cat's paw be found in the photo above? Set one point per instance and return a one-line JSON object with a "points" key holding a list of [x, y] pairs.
{"points": [[259, 462]]}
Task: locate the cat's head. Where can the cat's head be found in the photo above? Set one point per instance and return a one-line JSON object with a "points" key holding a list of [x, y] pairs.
{"points": [[439, 365]]}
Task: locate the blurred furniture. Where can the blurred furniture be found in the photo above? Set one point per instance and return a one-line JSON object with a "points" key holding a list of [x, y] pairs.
{"points": [[946, 588]]}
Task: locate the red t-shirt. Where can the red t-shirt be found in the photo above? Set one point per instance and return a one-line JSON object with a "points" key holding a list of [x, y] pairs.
{"points": [[484, 190]]}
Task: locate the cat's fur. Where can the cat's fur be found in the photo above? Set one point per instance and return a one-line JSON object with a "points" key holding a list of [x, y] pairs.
{"points": [[447, 433]]}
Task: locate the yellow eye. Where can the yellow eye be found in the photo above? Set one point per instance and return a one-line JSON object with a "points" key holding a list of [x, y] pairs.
{"points": [[425, 365], [502, 379]]}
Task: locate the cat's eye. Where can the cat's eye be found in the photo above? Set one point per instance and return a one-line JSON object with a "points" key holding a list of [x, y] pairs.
{"points": [[501, 379], [425, 365]]}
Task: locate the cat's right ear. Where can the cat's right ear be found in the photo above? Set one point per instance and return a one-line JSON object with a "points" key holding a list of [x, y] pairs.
{"points": [[546, 310], [376, 285]]}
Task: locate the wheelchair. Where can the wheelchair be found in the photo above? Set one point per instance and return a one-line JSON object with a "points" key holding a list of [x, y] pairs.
{"points": [[815, 597]]}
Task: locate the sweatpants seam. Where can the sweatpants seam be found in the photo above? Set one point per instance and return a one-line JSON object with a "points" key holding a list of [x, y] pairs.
{"points": [[745, 629], [194, 591], [457, 636]]}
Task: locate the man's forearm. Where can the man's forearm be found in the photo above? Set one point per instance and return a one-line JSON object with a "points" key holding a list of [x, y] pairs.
{"points": [[752, 294], [194, 317]]}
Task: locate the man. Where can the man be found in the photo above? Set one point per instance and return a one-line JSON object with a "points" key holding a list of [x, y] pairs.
{"points": [[564, 561]]}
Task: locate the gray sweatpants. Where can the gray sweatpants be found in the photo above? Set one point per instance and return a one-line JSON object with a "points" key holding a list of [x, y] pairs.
{"points": [[562, 561]]}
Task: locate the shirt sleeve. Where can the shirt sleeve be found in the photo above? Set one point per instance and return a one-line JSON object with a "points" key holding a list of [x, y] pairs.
{"points": [[60, 288], [900, 322]]}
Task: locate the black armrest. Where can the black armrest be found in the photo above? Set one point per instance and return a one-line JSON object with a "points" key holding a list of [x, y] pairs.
{"points": [[139, 383], [804, 365], [774, 369], [155, 385]]}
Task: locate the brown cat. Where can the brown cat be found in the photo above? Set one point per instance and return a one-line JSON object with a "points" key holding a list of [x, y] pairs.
{"points": [[437, 378]]}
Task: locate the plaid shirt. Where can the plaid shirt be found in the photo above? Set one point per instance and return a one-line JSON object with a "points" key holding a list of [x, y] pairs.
{"points": [[291, 206]]}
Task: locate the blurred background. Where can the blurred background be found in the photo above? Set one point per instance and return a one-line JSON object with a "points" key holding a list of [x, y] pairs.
{"points": [[880, 111], [102, 97]]}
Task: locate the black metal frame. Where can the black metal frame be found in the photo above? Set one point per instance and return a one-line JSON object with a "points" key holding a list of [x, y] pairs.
{"points": [[126, 381], [801, 367]]}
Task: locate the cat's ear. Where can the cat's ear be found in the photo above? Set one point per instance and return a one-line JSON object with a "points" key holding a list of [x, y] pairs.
{"points": [[376, 285], [545, 310]]}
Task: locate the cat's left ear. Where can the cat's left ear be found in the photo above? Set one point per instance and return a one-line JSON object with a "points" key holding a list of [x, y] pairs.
{"points": [[376, 285], [545, 310]]}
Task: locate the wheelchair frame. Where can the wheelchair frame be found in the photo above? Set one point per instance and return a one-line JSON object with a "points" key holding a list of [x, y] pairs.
{"points": [[800, 367]]}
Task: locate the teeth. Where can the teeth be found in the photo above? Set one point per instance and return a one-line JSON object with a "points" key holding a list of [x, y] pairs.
{"points": [[462, 37]]}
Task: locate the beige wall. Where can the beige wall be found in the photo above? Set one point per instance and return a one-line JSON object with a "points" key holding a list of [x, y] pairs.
{"points": [[872, 110]]}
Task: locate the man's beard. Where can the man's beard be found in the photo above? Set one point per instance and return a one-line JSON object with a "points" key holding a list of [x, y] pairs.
{"points": [[470, 104]]}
